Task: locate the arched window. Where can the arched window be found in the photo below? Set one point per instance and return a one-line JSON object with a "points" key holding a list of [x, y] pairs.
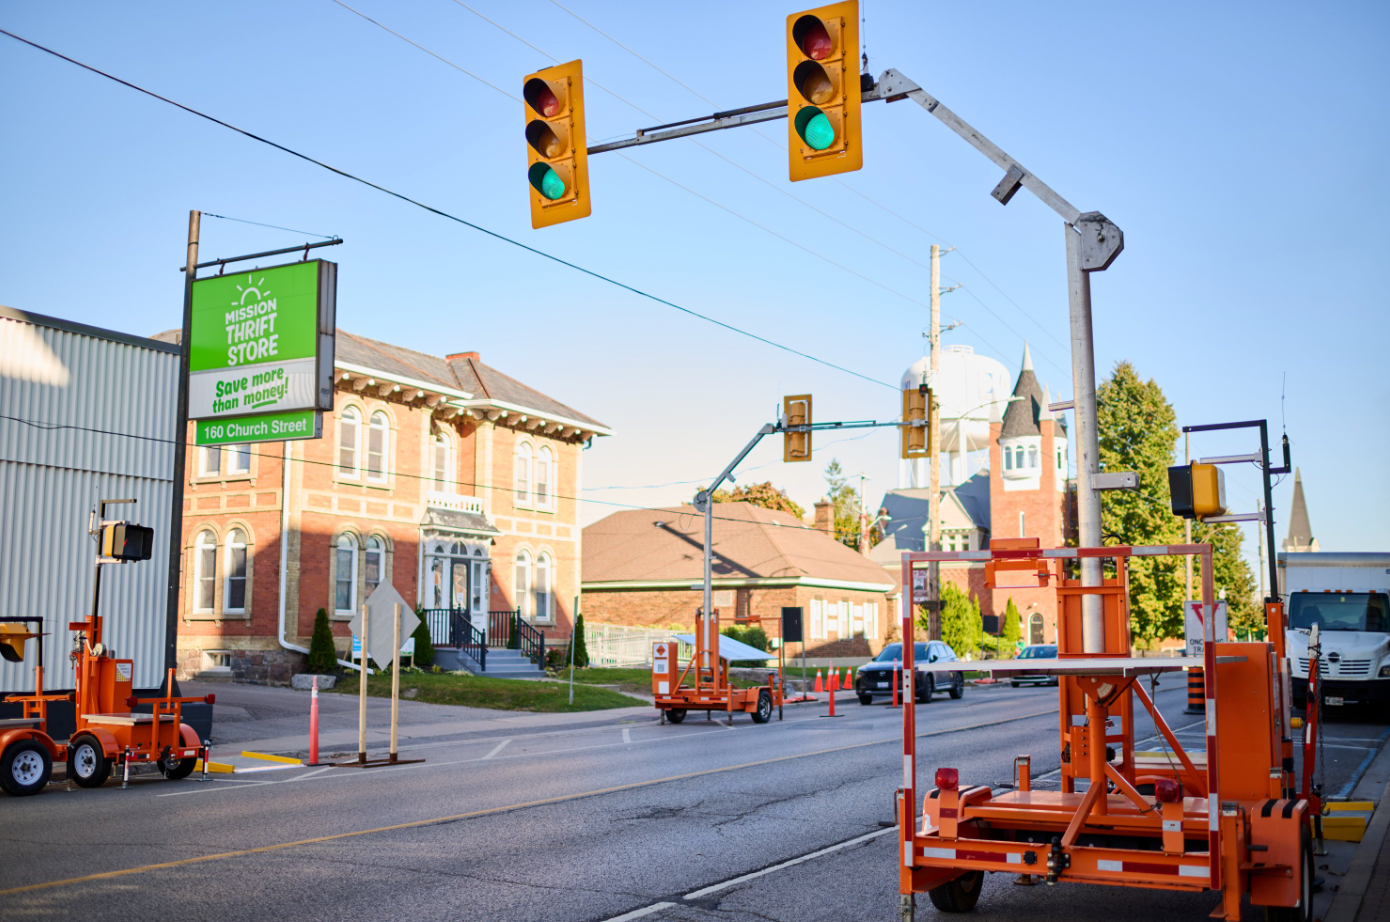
{"points": [[376, 563], [439, 463], [1018, 457], [345, 576], [542, 593], [1032, 457], [349, 441], [234, 582], [545, 478], [205, 572], [521, 590], [378, 438], [524, 462], [1008, 459], [1035, 628]]}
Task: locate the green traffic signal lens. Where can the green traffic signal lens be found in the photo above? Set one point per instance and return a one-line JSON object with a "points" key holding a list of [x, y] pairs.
{"points": [[546, 181], [815, 129]]}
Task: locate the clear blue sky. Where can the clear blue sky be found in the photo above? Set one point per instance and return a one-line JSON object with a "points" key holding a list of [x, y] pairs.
{"points": [[1238, 145]]}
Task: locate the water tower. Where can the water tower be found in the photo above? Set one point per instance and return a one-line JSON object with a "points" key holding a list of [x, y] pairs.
{"points": [[972, 391]]}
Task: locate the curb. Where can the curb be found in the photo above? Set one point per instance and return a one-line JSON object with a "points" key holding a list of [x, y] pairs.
{"points": [[1362, 867]]}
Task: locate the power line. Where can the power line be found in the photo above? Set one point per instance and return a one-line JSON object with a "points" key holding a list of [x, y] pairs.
{"points": [[444, 214], [208, 214]]}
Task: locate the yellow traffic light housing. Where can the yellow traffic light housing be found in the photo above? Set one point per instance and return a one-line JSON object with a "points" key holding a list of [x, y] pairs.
{"points": [[1198, 490], [557, 154], [796, 411], [124, 541], [916, 439], [824, 131], [12, 639]]}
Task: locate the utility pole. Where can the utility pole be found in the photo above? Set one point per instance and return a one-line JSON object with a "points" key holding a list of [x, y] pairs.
{"points": [[863, 517], [1187, 523], [934, 450], [180, 451]]}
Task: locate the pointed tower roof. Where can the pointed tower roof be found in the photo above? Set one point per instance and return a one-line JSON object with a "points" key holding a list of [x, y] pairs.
{"points": [[1022, 416], [1300, 531]]}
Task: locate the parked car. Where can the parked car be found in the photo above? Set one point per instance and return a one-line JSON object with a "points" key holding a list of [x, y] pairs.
{"points": [[1036, 651], [875, 678]]}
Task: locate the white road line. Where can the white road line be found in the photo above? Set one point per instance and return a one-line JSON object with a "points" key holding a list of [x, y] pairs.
{"points": [[627, 734], [715, 888], [639, 913], [496, 749]]}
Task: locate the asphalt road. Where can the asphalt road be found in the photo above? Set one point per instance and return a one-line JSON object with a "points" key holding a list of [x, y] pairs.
{"points": [[607, 819]]}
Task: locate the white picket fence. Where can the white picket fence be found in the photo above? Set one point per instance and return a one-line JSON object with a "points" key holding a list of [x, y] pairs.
{"points": [[618, 645]]}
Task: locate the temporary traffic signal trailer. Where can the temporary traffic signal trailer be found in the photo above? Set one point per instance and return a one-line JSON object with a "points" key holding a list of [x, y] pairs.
{"points": [[709, 688], [1224, 819]]}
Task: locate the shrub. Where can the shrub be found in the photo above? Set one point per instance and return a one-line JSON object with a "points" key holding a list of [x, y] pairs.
{"points": [[754, 636], [323, 656], [555, 657], [581, 650], [424, 644]]}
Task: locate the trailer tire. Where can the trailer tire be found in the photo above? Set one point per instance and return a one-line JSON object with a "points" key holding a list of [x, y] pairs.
{"points": [[25, 768], [959, 895], [87, 762], [675, 715], [764, 712], [1303, 912], [176, 769]]}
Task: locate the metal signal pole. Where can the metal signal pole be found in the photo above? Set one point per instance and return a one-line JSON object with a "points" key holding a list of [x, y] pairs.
{"points": [[934, 452]]}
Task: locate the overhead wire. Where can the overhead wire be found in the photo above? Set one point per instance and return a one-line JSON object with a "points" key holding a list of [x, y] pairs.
{"points": [[208, 214], [444, 214]]}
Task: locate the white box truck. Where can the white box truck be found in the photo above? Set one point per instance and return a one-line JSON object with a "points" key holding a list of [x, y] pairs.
{"points": [[1348, 596]]}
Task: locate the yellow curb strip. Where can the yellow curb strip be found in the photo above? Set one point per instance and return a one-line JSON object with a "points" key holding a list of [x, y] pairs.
{"points": [[270, 758], [221, 768]]}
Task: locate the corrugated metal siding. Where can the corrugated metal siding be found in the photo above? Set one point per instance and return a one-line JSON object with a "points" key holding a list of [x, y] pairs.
{"points": [[49, 482]]}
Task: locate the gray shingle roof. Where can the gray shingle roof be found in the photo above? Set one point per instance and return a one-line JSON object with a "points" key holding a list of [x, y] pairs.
{"points": [[487, 383]]}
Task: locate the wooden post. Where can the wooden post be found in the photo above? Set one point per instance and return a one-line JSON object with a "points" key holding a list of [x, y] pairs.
{"points": [[362, 702], [395, 680]]}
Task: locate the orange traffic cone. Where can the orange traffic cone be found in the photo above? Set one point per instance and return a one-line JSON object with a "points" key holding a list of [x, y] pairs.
{"points": [[820, 686], [849, 679], [834, 678]]}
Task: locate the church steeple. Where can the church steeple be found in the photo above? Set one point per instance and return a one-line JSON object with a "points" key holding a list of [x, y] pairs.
{"points": [[1300, 537]]}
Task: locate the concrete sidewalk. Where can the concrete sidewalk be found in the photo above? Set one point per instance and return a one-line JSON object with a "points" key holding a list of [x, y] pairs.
{"points": [[1364, 892]]}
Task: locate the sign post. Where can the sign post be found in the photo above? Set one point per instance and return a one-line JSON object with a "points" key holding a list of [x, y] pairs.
{"points": [[380, 640]]}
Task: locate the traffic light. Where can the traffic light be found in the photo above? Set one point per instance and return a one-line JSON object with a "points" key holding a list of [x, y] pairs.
{"points": [[12, 638], [1198, 490], [916, 441], [123, 541], [796, 411], [824, 134], [557, 154]]}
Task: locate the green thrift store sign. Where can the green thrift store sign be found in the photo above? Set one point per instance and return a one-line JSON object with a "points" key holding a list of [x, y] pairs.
{"points": [[261, 353]]}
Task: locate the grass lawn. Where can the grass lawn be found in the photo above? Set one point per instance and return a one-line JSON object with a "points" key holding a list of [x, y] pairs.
{"points": [[498, 694], [639, 679]]}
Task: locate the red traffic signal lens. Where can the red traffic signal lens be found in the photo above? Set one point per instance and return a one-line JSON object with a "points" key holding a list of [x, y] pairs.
{"points": [[546, 181], [542, 98], [811, 37], [947, 779], [1167, 790], [814, 128]]}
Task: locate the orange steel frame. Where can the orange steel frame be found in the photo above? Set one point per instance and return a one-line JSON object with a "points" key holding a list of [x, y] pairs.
{"points": [[712, 690], [1236, 826]]}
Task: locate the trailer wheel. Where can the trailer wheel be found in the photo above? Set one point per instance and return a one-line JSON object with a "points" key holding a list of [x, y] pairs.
{"points": [[764, 712], [1303, 912], [87, 763], [959, 895], [675, 715], [174, 769], [25, 768]]}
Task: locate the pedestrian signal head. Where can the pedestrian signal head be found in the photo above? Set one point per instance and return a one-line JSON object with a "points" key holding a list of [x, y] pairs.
{"points": [[823, 91], [556, 150], [1198, 490], [12, 639], [123, 541]]}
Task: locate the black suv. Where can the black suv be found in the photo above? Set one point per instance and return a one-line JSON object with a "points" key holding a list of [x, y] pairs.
{"points": [[875, 678]]}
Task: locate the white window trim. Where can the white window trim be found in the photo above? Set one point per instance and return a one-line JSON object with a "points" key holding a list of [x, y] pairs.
{"points": [[383, 571], [355, 471], [544, 457], [209, 453], [521, 595], [385, 473], [227, 550], [199, 575], [446, 484], [524, 498], [547, 616], [337, 576]]}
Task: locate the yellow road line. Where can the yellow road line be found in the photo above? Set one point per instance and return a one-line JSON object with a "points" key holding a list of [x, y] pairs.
{"points": [[107, 875]]}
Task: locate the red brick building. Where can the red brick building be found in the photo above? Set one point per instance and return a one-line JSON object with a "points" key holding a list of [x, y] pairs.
{"points": [[644, 568], [444, 476], [1024, 492]]}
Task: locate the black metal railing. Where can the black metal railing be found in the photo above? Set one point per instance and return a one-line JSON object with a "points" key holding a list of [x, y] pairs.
{"points": [[530, 641], [500, 631], [453, 627], [441, 625], [471, 640]]}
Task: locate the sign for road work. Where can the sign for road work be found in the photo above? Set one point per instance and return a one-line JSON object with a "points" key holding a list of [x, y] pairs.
{"points": [[381, 624], [1192, 616], [261, 351]]}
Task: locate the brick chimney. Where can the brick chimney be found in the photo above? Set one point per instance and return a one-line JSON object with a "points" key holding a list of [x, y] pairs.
{"points": [[464, 355], [825, 517]]}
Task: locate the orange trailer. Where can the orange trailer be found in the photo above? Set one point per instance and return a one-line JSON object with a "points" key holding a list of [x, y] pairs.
{"points": [[1224, 819], [710, 689]]}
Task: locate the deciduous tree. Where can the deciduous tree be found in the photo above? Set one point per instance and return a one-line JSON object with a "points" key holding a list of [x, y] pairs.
{"points": [[761, 494]]}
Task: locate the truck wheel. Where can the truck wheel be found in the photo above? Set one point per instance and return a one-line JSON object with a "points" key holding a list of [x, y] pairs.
{"points": [[25, 768], [175, 768], [959, 895], [1303, 912], [87, 763], [764, 712], [675, 715]]}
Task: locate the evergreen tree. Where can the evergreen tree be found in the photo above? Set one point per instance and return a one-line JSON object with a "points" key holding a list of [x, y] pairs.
{"points": [[1013, 629], [1137, 430], [761, 494], [424, 643], [581, 652], [842, 494], [1231, 572], [962, 626], [323, 656]]}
